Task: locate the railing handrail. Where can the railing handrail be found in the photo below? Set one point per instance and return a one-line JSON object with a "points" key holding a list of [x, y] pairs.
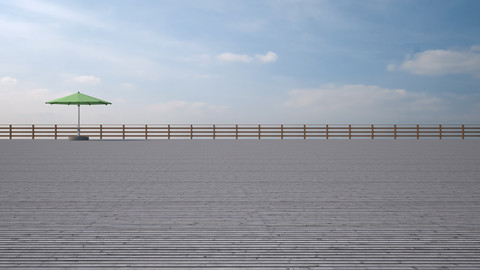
{"points": [[214, 131], [243, 124]]}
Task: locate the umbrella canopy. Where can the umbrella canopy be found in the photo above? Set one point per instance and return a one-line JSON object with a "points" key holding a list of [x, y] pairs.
{"points": [[78, 99]]}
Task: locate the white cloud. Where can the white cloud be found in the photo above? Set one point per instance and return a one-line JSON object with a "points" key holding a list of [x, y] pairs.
{"points": [[475, 48], [201, 59], [8, 81], [185, 107], [244, 58], [328, 104], [441, 62], [391, 67], [33, 109], [180, 111], [231, 57], [15, 28], [125, 111], [57, 12], [87, 79], [25, 105], [267, 58], [364, 103], [204, 76], [128, 86]]}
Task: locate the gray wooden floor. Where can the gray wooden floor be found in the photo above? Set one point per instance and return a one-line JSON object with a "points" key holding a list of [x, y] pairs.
{"points": [[229, 204]]}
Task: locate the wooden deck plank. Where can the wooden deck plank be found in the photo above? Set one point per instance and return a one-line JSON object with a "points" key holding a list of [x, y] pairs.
{"points": [[240, 204]]}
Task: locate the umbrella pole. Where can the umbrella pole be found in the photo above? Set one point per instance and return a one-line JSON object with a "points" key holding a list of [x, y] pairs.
{"points": [[78, 123]]}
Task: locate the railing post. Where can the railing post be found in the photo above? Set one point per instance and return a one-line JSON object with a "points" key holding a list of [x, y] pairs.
{"points": [[395, 132], [463, 131], [123, 132], [33, 132], [418, 132], [214, 132], [191, 132], [281, 132], [349, 132], [304, 132], [146, 132], [236, 132], [440, 132], [11, 133], [168, 132], [101, 132], [259, 132], [326, 132], [373, 132], [55, 132]]}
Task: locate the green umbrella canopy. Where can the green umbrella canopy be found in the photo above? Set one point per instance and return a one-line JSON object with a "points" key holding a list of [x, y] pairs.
{"points": [[78, 99]]}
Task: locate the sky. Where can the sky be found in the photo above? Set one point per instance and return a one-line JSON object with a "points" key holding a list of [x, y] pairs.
{"points": [[242, 61]]}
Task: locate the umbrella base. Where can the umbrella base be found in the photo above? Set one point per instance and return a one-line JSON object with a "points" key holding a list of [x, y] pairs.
{"points": [[78, 138]]}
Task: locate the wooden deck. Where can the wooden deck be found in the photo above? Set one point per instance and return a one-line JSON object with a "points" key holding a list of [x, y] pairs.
{"points": [[295, 204]]}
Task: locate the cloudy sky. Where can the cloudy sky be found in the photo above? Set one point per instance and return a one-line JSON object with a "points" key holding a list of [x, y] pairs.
{"points": [[277, 61]]}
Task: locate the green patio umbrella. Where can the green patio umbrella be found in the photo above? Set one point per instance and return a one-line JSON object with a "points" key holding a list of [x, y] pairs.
{"points": [[78, 99]]}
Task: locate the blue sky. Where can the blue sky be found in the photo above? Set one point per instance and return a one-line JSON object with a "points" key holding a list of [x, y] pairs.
{"points": [[242, 61]]}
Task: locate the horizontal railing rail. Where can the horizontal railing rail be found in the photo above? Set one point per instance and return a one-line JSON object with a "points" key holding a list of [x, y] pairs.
{"points": [[270, 131]]}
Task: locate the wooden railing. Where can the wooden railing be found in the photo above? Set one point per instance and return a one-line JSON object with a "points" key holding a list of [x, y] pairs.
{"points": [[240, 131]]}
